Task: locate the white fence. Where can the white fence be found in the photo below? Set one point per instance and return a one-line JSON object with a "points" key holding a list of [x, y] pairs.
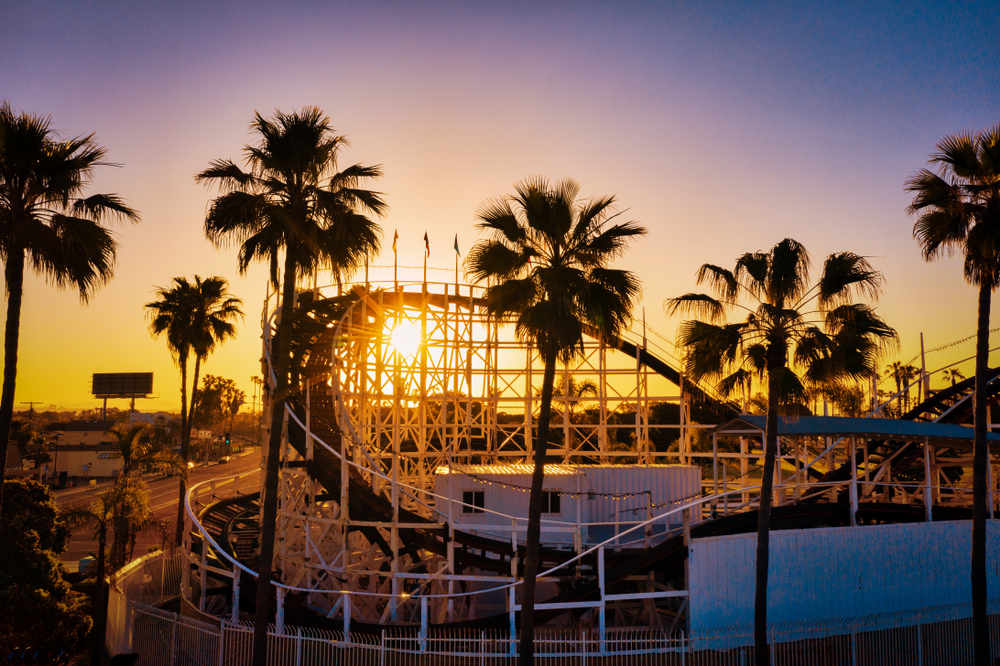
{"points": [[163, 638]]}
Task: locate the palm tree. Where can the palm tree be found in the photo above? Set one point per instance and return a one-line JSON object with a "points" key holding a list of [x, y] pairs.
{"points": [[291, 198], [139, 445], [958, 210], [195, 315], [828, 337], [907, 374], [211, 323], [895, 371], [546, 265], [954, 375], [45, 220]]}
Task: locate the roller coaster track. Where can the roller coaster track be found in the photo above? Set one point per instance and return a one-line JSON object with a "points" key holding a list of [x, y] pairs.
{"points": [[232, 523]]}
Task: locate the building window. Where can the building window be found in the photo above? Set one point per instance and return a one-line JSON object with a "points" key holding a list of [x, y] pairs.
{"points": [[475, 498], [550, 502]]}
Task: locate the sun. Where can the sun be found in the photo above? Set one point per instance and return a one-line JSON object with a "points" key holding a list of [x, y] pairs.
{"points": [[405, 338]]}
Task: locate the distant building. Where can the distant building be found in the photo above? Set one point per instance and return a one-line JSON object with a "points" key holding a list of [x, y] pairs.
{"points": [[83, 449]]}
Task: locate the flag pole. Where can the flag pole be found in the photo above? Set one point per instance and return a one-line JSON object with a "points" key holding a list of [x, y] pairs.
{"points": [[427, 252], [395, 262], [456, 264]]}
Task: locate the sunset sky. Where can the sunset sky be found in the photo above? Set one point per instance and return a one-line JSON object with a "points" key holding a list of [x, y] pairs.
{"points": [[721, 127]]}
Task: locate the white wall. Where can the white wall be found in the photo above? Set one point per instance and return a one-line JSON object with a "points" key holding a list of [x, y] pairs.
{"points": [[820, 577]]}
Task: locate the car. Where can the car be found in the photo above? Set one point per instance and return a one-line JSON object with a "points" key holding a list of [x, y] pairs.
{"points": [[190, 464], [224, 459]]}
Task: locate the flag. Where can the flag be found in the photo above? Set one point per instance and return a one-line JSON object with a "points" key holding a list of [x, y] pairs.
{"points": [[427, 246], [395, 238], [456, 246]]}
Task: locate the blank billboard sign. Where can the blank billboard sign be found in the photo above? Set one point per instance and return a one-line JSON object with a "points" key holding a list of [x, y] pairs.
{"points": [[122, 384]]}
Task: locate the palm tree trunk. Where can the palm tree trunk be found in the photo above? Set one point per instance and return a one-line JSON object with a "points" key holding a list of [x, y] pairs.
{"points": [[279, 361], [763, 655], [531, 543], [182, 490], [100, 600], [14, 275], [980, 630], [194, 397]]}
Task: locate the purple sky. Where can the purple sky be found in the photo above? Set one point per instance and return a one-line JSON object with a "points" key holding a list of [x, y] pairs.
{"points": [[721, 128]]}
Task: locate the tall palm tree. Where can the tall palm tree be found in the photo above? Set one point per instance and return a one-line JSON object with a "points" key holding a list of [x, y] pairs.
{"points": [[214, 310], [546, 264], [195, 316], [46, 222], [827, 336], [291, 198], [958, 210]]}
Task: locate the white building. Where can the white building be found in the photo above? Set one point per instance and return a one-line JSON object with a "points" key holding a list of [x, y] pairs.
{"points": [[601, 499]]}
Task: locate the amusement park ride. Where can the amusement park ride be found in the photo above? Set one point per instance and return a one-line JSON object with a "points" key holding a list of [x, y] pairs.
{"points": [[403, 487]]}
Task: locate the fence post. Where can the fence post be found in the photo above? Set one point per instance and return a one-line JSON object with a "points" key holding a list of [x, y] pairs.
{"points": [[222, 642], [601, 610], [236, 594], [583, 645], [854, 649], [920, 647], [173, 638], [381, 650], [511, 602], [482, 648], [279, 616], [298, 646], [423, 624], [346, 610]]}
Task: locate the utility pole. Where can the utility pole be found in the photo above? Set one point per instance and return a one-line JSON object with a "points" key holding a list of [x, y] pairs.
{"points": [[31, 408]]}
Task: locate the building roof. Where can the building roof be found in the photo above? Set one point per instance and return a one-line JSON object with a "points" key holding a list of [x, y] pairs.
{"points": [[816, 426], [80, 426], [508, 469]]}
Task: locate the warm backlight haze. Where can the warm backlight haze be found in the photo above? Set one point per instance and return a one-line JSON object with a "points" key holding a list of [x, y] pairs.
{"points": [[720, 129]]}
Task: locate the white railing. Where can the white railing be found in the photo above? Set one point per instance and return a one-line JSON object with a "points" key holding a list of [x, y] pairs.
{"points": [[164, 638]]}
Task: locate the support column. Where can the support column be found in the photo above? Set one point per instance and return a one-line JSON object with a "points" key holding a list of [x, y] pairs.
{"points": [[854, 482], [928, 493]]}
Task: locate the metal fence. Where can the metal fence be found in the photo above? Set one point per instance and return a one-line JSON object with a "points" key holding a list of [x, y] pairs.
{"points": [[164, 638]]}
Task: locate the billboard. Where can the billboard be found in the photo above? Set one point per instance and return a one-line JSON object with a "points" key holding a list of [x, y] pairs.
{"points": [[122, 384]]}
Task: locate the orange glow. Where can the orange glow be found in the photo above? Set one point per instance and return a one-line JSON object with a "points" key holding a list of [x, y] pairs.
{"points": [[405, 338]]}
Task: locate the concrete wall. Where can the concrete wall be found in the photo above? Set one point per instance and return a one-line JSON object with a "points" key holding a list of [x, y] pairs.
{"points": [[826, 576]]}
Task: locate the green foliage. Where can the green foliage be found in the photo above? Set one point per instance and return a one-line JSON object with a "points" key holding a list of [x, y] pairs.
{"points": [[43, 614], [218, 400]]}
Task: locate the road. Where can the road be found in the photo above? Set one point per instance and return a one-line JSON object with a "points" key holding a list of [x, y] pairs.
{"points": [[162, 503]]}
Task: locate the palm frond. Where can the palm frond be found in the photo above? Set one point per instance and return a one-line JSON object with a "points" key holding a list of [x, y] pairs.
{"points": [[788, 272], [957, 153], [846, 274], [100, 206], [721, 280], [701, 305], [226, 174], [494, 260]]}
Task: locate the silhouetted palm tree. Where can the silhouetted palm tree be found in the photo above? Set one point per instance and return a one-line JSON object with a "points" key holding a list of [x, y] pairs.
{"points": [[195, 315], [958, 210], [546, 267], [46, 222], [292, 199], [828, 337], [954, 375]]}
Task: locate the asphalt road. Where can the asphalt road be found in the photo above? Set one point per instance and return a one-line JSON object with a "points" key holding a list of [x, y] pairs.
{"points": [[162, 503]]}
